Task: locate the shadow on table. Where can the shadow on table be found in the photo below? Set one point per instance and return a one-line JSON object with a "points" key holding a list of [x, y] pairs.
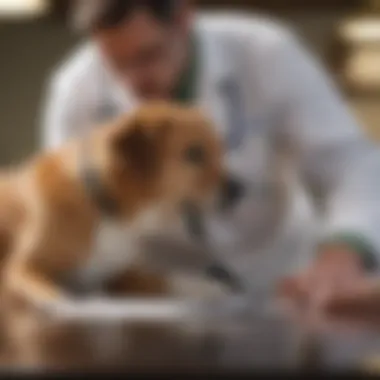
{"points": [[29, 341], [271, 343]]}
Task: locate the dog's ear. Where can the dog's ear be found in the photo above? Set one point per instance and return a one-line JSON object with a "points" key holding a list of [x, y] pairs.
{"points": [[139, 146]]}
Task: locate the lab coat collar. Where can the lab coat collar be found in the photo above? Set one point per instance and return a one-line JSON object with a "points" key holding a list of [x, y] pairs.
{"points": [[215, 69]]}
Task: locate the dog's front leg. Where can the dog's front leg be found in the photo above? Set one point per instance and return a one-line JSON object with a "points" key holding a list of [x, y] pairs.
{"points": [[30, 272], [137, 282], [32, 286]]}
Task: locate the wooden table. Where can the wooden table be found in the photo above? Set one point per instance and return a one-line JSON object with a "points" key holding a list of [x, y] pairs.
{"points": [[260, 341]]}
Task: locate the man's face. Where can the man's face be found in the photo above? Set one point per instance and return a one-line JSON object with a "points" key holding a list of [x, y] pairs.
{"points": [[145, 53]]}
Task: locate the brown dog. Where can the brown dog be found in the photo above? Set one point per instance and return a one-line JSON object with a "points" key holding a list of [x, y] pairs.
{"points": [[73, 216]]}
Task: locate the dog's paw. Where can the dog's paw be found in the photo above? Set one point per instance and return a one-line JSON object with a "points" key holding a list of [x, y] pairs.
{"points": [[53, 308], [198, 288]]}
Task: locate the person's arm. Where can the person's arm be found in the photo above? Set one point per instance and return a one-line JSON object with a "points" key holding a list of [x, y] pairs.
{"points": [[337, 160], [62, 112], [70, 98]]}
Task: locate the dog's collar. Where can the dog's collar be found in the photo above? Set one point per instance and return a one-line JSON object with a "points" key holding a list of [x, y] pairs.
{"points": [[94, 186]]}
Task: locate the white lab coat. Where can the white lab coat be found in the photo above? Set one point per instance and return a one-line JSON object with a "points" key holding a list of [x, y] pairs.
{"points": [[262, 88]]}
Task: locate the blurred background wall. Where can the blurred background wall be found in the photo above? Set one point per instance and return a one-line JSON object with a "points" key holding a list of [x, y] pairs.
{"points": [[31, 47]]}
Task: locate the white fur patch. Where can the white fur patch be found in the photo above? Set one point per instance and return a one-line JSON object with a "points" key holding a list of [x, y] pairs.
{"points": [[115, 249]]}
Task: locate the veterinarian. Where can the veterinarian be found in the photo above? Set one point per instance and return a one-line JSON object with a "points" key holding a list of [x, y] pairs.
{"points": [[311, 208]]}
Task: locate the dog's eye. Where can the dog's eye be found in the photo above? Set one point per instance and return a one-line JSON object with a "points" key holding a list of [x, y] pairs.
{"points": [[195, 154]]}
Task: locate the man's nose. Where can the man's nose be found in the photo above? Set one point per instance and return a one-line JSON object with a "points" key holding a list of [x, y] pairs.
{"points": [[233, 190]]}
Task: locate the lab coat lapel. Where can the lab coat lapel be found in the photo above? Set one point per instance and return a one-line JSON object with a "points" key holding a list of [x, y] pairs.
{"points": [[213, 72], [221, 91]]}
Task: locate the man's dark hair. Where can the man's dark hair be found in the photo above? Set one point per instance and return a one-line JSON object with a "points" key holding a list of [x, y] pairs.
{"points": [[90, 15]]}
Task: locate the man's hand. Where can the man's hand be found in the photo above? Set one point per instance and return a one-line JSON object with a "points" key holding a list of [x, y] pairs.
{"points": [[337, 272]]}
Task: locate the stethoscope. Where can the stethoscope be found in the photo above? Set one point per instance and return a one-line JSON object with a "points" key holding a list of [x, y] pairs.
{"points": [[237, 124]]}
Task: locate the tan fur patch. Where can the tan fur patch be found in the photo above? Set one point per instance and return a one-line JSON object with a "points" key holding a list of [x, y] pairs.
{"points": [[142, 160]]}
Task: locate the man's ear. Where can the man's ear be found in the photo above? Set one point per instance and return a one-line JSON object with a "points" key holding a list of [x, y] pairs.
{"points": [[140, 146]]}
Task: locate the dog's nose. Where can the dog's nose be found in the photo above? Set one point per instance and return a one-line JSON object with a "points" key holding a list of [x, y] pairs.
{"points": [[221, 274], [233, 191]]}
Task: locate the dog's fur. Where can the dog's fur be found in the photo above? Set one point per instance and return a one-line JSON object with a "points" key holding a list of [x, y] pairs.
{"points": [[52, 230]]}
